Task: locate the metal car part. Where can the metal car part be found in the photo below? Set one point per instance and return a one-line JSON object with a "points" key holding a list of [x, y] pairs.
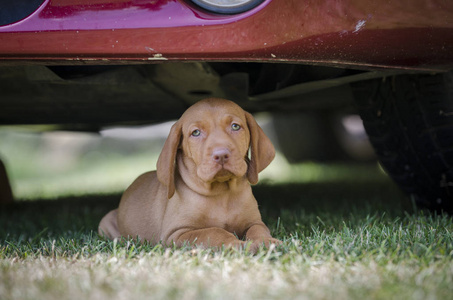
{"points": [[228, 6]]}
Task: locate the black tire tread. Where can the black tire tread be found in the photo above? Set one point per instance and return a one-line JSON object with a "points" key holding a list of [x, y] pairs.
{"points": [[409, 120]]}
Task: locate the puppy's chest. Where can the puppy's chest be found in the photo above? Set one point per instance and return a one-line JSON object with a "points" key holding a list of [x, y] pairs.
{"points": [[229, 216]]}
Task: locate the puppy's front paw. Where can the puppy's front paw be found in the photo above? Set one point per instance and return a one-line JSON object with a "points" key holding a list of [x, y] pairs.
{"points": [[267, 242]]}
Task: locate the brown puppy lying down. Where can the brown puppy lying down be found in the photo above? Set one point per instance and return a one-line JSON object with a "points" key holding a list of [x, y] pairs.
{"points": [[201, 190]]}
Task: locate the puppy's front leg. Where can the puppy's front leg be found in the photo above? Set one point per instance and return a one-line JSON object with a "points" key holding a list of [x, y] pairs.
{"points": [[210, 237], [259, 234]]}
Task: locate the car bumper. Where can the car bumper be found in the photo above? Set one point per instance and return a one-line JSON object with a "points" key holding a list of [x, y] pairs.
{"points": [[357, 34]]}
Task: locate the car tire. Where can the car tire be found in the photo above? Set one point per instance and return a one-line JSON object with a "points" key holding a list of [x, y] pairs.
{"points": [[321, 136], [307, 136], [409, 121]]}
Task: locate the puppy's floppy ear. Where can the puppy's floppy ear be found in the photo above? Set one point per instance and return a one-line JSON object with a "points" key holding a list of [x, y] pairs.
{"points": [[262, 152], [166, 161]]}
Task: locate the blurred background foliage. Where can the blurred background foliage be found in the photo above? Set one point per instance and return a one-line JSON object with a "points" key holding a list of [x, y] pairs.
{"points": [[52, 164]]}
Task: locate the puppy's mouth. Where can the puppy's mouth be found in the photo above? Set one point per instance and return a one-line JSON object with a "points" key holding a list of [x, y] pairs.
{"points": [[220, 173], [223, 175]]}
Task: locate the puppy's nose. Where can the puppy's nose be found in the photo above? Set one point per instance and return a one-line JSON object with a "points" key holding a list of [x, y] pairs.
{"points": [[221, 155]]}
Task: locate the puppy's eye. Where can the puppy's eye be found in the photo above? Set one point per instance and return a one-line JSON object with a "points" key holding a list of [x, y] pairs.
{"points": [[235, 127], [196, 132]]}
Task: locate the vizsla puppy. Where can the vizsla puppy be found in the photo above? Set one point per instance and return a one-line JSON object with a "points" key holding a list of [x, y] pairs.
{"points": [[201, 190]]}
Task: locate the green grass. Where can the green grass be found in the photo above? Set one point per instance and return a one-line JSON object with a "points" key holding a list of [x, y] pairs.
{"points": [[347, 232], [342, 241]]}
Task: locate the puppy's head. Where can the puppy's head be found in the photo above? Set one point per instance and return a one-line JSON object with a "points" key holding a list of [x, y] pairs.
{"points": [[214, 137]]}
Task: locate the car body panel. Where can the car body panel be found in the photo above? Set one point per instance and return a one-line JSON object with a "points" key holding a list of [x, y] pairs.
{"points": [[415, 34]]}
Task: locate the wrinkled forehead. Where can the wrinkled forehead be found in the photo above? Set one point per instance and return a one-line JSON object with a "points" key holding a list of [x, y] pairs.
{"points": [[215, 110]]}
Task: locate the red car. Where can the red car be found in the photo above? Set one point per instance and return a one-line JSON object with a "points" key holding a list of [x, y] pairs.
{"points": [[87, 63]]}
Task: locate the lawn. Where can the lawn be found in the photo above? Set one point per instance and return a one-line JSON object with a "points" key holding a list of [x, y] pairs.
{"points": [[347, 232], [353, 242]]}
